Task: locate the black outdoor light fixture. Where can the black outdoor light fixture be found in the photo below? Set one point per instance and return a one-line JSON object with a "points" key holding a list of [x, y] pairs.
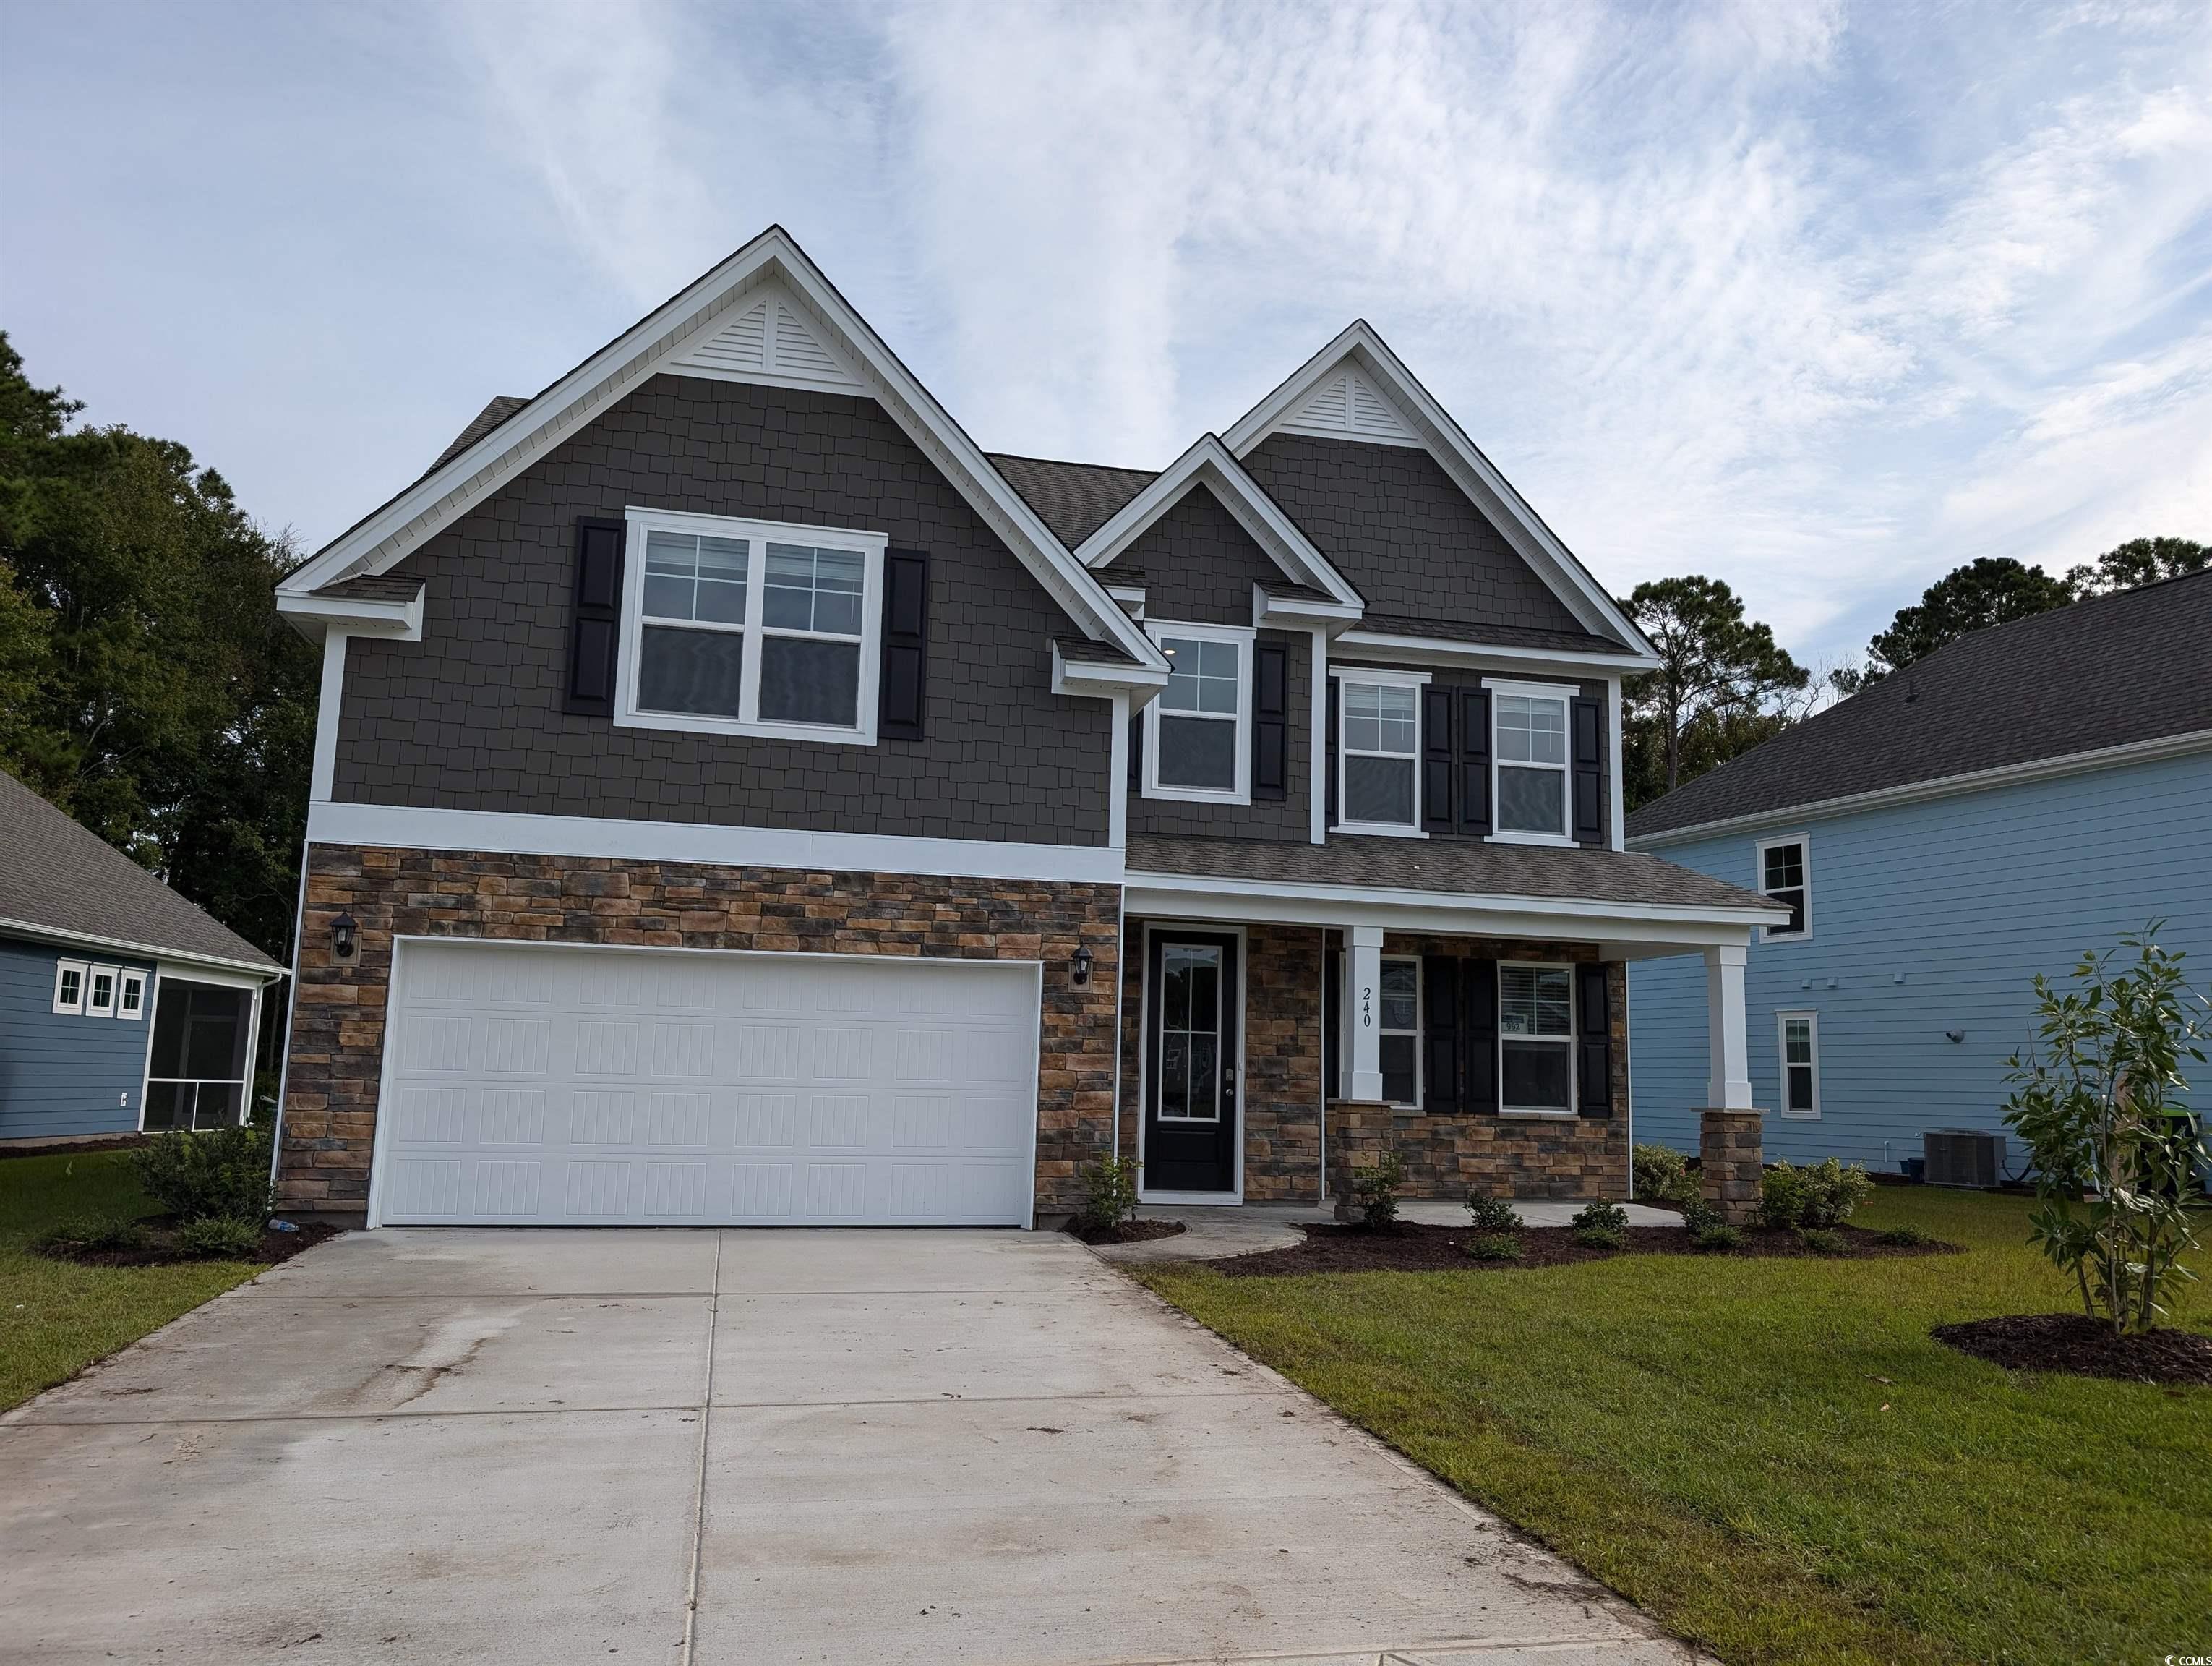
{"points": [[343, 940], [1079, 971]]}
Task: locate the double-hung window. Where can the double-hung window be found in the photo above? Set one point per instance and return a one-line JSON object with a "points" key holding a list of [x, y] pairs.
{"points": [[1528, 722], [1798, 1034], [1400, 1031], [1785, 875], [1197, 730], [1379, 740], [748, 627], [1536, 1039]]}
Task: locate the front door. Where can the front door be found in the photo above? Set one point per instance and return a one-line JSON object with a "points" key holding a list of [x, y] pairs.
{"points": [[1190, 1077]]}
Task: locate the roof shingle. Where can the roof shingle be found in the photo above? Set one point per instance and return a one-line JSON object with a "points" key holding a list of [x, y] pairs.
{"points": [[1073, 499]]}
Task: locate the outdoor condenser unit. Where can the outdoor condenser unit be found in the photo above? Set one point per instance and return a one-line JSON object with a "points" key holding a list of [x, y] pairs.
{"points": [[1964, 1156]]}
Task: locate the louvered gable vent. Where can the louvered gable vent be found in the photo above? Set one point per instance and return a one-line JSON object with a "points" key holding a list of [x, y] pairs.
{"points": [[1348, 406], [769, 340]]}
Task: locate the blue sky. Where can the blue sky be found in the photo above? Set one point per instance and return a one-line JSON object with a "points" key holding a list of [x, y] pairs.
{"points": [[1820, 300]]}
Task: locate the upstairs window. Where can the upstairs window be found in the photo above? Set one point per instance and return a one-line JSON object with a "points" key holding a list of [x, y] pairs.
{"points": [[1785, 876], [1536, 1038], [1379, 734], [1196, 743], [1530, 724], [748, 628]]}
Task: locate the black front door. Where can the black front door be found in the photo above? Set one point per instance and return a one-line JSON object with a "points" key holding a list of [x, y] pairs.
{"points": [[1190, 1073]]}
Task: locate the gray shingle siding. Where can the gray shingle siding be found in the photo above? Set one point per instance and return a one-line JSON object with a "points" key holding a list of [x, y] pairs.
{"points": [[63, 1074], [1198, 565], [470, 717], [1391, 521], [1284, 818]]}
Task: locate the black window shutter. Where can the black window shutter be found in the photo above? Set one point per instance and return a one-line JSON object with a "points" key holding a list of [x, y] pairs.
{"points": [[904, 685], [1589, 772], [1479, 985], [595, 617], [1328, 694], [1436, 760], [1332, 1024], [1137, 752], [1593, 1040], [1271, 721], [1441, 1067], [1473, 803]]}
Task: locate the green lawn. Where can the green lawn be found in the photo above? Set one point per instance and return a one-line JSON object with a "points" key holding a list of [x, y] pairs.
{"points": [[57, 1318], [1771, 1457]]}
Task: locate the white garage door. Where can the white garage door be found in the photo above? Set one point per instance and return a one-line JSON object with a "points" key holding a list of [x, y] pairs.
{"points": [[530, 1084]]}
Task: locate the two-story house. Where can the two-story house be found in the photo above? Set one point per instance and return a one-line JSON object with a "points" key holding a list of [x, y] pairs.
{"points": [[739, 798]]}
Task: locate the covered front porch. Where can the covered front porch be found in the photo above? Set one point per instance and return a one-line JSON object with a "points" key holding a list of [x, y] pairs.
{"points": [[1284, 1015]]}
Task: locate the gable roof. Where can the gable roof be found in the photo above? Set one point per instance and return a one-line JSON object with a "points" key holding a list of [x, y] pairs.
{"points": [[1074, 499], [2114, 672], [701, 325], [1362, 348], [63, 880]]}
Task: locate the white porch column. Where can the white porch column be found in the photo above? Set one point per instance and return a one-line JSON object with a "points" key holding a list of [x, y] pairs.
{"points": [[1362, 1005], [1729, 1088]]}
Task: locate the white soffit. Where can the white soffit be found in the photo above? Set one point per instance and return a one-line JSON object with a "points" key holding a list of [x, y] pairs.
{"points": [[770, 341], [1347, 406]]}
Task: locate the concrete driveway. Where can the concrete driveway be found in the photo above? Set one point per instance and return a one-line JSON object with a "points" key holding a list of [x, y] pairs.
{"points": [[742, 1446]]}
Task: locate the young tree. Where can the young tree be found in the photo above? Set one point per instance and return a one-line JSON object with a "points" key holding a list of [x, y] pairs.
{"points": [[2140, 561], [1718, 677], [1993, 590]]}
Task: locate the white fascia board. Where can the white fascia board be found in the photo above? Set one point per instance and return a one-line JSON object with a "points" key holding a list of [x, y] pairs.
{"points": [[406, 828], [403, 524], [1210, 463], [1298, 614], [1475, 474], [357, 615], [67, 940], [1941, 786], [1089, 677], [1506, 660], [1201, 897]]}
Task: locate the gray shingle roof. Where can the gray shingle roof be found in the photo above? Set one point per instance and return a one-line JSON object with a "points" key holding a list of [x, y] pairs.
{"points": [[503, 406], [1088, 652], [1074, 499], [65, 878], [1461, 867], [2103, 673], [373, 587]]}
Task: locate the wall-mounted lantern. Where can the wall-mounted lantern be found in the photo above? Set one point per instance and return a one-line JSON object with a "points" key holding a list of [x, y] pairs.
{"points": [[345, 937], [1079, 972]]}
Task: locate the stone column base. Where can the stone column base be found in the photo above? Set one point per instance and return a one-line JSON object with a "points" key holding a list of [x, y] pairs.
{"points": [[1729, 1159], [1359, 1133]]}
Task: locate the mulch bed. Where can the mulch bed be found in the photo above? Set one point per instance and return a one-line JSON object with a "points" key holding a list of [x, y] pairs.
{"points": [[1410, 1247], [76, 1147], [160, 1249], [1128, 1231], [2075, 1342]]}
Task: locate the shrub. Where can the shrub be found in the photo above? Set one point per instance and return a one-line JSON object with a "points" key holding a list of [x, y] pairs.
{"points": [[1903, 1237], [1600, 1237], [2100, 1109], [221, 1237], [1819, 1197], [1700, 1216], [1716, 1239], [1109, 1193], [1377, 1191], [1823, 1241], [1662, 1175], [215, 1171], [1494, 1246], [1602, 1217], [94, 1234], [1491, 1214]]}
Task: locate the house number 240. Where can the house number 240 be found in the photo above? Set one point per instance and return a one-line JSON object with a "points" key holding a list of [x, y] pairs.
{"points": [[1366, 1006]]}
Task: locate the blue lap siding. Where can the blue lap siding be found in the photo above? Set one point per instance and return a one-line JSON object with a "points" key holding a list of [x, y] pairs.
{"points": [[1929, 918], [63, 1074]]}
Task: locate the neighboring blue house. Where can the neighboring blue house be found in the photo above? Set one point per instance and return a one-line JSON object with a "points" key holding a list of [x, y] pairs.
{"points": [[2025, 793], [123, 1006]]}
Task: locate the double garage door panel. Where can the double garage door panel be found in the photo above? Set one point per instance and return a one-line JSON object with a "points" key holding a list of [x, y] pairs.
{"points": [[531, 1085]]}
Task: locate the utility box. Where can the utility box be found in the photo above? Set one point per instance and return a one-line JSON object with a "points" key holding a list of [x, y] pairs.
{"points": [[1964, 1156]]}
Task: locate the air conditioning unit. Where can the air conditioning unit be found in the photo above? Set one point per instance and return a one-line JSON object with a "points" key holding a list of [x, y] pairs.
{"points": [[1964, 1156]]}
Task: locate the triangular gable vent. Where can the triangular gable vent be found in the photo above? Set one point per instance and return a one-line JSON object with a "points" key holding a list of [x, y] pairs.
{"points": [[771, 341], [1347, 406]]}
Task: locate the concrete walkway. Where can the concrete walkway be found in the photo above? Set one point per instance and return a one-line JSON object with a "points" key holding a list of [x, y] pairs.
{"points": [[742, 1446], [1212, 1233]]}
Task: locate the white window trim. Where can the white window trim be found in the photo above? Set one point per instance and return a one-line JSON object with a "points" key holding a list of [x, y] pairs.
{"points": [[758, 533], [1782, 1062], [1342, 676], [1243, 637], [1568, 693], [1804, 843], [1420, 1021], [132, 979], [92, 1009], [84, 971], [1573, 1064]]}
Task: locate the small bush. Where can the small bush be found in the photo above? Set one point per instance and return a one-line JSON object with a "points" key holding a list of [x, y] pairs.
{"points": [[1109, 1193], [1700, 1216], [1600, 1237], [94, 1234], [1823, 1196], [1903, 1237], [1491, 1214], [215, 1171], [1602, 1217], [1823, 1241], [1662, 1175], [1716, 1239], [1377, 1191], [221, 1237], [1494, 1246]]}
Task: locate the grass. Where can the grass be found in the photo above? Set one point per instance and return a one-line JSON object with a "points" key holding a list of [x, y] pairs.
{"points": [[56, 1318], [1771, 1455]]}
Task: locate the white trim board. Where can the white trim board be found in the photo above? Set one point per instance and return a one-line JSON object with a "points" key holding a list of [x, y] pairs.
{"points": [[1507, 661], [407, 828], [1938, 786]]}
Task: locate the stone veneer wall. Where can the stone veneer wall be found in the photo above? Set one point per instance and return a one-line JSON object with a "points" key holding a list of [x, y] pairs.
{"points": [[339, 1021]]}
